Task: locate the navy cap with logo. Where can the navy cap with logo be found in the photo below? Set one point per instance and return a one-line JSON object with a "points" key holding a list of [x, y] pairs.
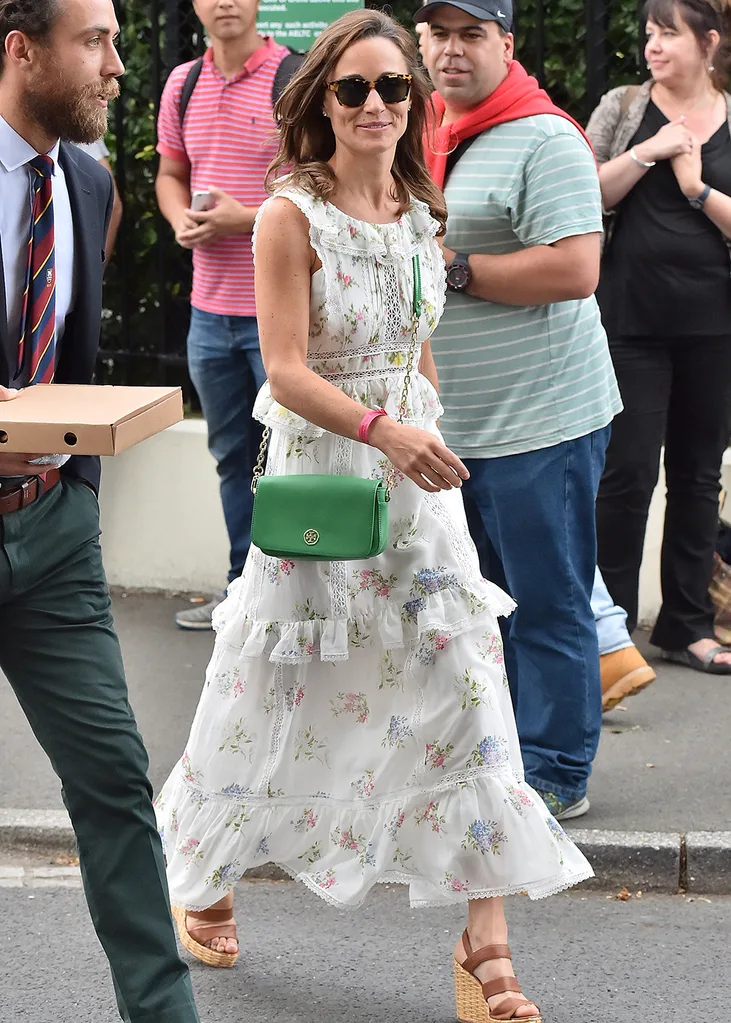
{"points": [[484, 10]]}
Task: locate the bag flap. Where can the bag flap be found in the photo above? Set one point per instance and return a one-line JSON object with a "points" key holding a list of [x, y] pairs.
{"points": [[316, 516]]}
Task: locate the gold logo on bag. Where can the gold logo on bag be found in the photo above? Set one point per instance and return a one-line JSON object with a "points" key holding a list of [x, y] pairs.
{"points": [[311, 537]]}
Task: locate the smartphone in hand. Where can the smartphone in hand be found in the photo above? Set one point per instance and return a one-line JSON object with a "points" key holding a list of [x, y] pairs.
{"points": [[201, 202]]}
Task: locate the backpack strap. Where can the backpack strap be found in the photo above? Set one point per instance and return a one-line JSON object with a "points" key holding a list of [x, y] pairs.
{"points": [[188, 86], [458, 153], [291, 63], [286, 70]]}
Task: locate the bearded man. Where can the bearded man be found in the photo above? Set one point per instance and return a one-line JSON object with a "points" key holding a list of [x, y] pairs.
{"points": [[58, 70]]}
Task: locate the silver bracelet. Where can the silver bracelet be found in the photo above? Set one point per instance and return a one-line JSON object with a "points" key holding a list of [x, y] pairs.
{"points": [[640, 163]]}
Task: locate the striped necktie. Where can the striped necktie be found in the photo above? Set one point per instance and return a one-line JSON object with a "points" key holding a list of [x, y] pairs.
{"points": [[38, 325]]}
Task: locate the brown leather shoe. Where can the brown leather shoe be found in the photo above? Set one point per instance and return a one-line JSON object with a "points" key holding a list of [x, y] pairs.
{"points": [[624, 673]]}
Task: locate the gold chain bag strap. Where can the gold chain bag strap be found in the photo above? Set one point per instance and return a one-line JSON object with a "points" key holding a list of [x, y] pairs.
{"points": [[320, 517]]}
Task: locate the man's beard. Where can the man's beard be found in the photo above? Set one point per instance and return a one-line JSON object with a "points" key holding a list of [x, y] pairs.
{"points": [[71, 114]]}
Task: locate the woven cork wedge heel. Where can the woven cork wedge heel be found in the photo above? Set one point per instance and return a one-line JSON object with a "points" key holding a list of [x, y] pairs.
{"points": [[471, 995], [202, 952], [471, 1004]]}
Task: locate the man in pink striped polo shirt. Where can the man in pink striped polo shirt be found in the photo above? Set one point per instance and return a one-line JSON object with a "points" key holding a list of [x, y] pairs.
{"points": [[223, 144]]}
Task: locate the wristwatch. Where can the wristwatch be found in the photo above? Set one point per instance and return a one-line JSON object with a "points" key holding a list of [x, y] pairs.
{"points": [[700, 200], [458, 272]]}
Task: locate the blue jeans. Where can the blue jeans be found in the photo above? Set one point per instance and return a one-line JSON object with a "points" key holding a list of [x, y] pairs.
{"points": [[225, 366], [532, 518], [611, 619]]}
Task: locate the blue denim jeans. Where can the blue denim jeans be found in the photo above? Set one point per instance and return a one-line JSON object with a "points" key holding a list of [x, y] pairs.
{"points": [[532, 518], [225, 366], [611, 619]]}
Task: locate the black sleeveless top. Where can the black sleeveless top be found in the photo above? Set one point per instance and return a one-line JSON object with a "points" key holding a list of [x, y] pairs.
{"points": [[666, 270]]}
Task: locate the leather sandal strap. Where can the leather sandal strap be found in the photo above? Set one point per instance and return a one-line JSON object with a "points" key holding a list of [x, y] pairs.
{"points": [[207, 932], [496, 987], [507, 1009], [211, 915], [486, 955]]}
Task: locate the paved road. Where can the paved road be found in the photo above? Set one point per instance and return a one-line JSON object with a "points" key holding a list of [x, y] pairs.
{"points": [[680, 724], [587, 960]]}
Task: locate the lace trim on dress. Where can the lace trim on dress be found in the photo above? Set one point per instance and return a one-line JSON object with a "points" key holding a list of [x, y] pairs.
{"points": [[447, 613], [398, 839]]}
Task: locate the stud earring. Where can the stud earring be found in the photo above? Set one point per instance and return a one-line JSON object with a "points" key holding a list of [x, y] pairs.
{"points": [[325, 113], [711, 68]]}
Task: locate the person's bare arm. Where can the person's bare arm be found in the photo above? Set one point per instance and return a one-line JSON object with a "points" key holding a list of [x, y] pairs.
{"points": [[116, 218], [717, 208], [688, 171], [284, 265], [192, 229], [427, 366], [540, 275], [17, 464], [172, 187], [228, 217]]}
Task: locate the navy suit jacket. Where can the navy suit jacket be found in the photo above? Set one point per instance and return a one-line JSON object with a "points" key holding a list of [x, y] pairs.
{"points": [[92, 195]]}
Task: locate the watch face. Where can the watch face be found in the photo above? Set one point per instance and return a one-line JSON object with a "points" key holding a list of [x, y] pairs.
{"points": [[458, 276]]}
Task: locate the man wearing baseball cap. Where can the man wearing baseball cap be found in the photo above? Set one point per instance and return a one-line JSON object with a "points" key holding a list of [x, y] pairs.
{"points": [[525, 372]]}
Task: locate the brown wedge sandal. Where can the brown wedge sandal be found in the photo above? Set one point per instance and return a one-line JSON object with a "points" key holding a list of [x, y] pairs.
{"points": [[212, 922], [472, 996]]}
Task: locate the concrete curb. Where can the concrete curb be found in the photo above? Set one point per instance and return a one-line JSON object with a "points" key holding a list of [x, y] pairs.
{"points": [[648, 861], [37, 831]]}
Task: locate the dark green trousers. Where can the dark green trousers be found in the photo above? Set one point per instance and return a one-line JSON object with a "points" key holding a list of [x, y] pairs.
{"points": [[59, 651]]}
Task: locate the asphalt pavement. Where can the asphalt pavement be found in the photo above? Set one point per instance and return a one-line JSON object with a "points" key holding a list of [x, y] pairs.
{"points": [[663, 764], [585, 959]]}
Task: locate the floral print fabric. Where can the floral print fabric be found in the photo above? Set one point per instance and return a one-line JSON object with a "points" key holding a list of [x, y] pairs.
{"points": [[355, 725]]}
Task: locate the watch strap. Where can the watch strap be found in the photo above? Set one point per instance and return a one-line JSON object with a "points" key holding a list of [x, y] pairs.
{"points": [[699, 201]]}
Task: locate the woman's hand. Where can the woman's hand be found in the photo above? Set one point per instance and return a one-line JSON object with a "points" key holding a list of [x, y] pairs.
{"points": [[418, 454], [673, 139], [689, 172]]}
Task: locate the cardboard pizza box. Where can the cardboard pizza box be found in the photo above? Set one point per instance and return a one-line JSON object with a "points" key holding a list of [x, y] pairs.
{"points": [[86, 419]]}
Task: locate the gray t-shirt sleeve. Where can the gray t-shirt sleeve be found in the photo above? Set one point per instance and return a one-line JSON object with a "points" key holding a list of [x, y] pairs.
{"points": [[557, 195], [97, 150]]}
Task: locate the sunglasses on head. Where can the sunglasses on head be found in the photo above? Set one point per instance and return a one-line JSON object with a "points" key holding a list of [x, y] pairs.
{"points": [[353, 92]]}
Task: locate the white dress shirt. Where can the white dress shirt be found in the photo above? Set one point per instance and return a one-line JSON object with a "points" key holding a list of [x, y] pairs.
{"points": [[16, 214], [16, 203]]}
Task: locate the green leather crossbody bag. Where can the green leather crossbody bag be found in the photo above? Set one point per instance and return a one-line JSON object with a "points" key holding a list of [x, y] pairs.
{"points": [[326, 518]]}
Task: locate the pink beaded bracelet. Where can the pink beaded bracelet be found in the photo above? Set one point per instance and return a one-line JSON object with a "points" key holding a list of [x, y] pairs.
{"points": [[366, 421]]}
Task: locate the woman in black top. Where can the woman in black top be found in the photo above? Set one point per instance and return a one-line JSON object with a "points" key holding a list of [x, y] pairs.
{"points": [[665, 296]]}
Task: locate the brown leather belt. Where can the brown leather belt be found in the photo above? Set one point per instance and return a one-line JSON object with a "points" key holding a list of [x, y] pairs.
{"points": [[28, 492]]}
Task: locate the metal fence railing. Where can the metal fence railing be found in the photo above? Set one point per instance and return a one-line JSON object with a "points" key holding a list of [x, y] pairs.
{"points": [[577, 49]]}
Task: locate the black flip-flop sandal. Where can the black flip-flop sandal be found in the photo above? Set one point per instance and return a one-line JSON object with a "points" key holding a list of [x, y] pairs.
{"points": [[705, 664]]}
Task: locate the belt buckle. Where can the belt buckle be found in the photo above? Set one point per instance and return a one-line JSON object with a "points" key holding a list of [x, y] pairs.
{"points": [[25, 490]]}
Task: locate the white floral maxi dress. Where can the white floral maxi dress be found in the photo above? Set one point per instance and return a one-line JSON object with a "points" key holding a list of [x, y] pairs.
{"points": [[355, 725]]}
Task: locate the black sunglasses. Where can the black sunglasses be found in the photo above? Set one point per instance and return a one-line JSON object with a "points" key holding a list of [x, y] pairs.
{"points": [[353, 92]]}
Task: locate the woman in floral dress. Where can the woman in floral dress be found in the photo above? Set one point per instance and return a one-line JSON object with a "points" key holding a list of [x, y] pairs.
{"points": [[355, 726]]}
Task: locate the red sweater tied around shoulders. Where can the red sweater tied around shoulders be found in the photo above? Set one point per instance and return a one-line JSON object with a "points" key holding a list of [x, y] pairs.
{"points": [[518, 96]]}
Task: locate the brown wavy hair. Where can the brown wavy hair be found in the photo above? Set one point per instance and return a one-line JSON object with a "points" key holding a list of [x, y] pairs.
{"points": [[701, 17], [306, 138]]}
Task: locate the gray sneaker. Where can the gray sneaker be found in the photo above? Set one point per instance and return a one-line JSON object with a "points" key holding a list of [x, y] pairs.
{"points": [[199, 617], [564, 809]]}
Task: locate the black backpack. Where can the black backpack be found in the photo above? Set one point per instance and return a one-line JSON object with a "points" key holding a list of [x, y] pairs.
{"points": [[291, 63]]}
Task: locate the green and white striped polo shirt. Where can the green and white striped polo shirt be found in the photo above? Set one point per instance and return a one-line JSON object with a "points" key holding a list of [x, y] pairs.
{"points": [[519, 378]]}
